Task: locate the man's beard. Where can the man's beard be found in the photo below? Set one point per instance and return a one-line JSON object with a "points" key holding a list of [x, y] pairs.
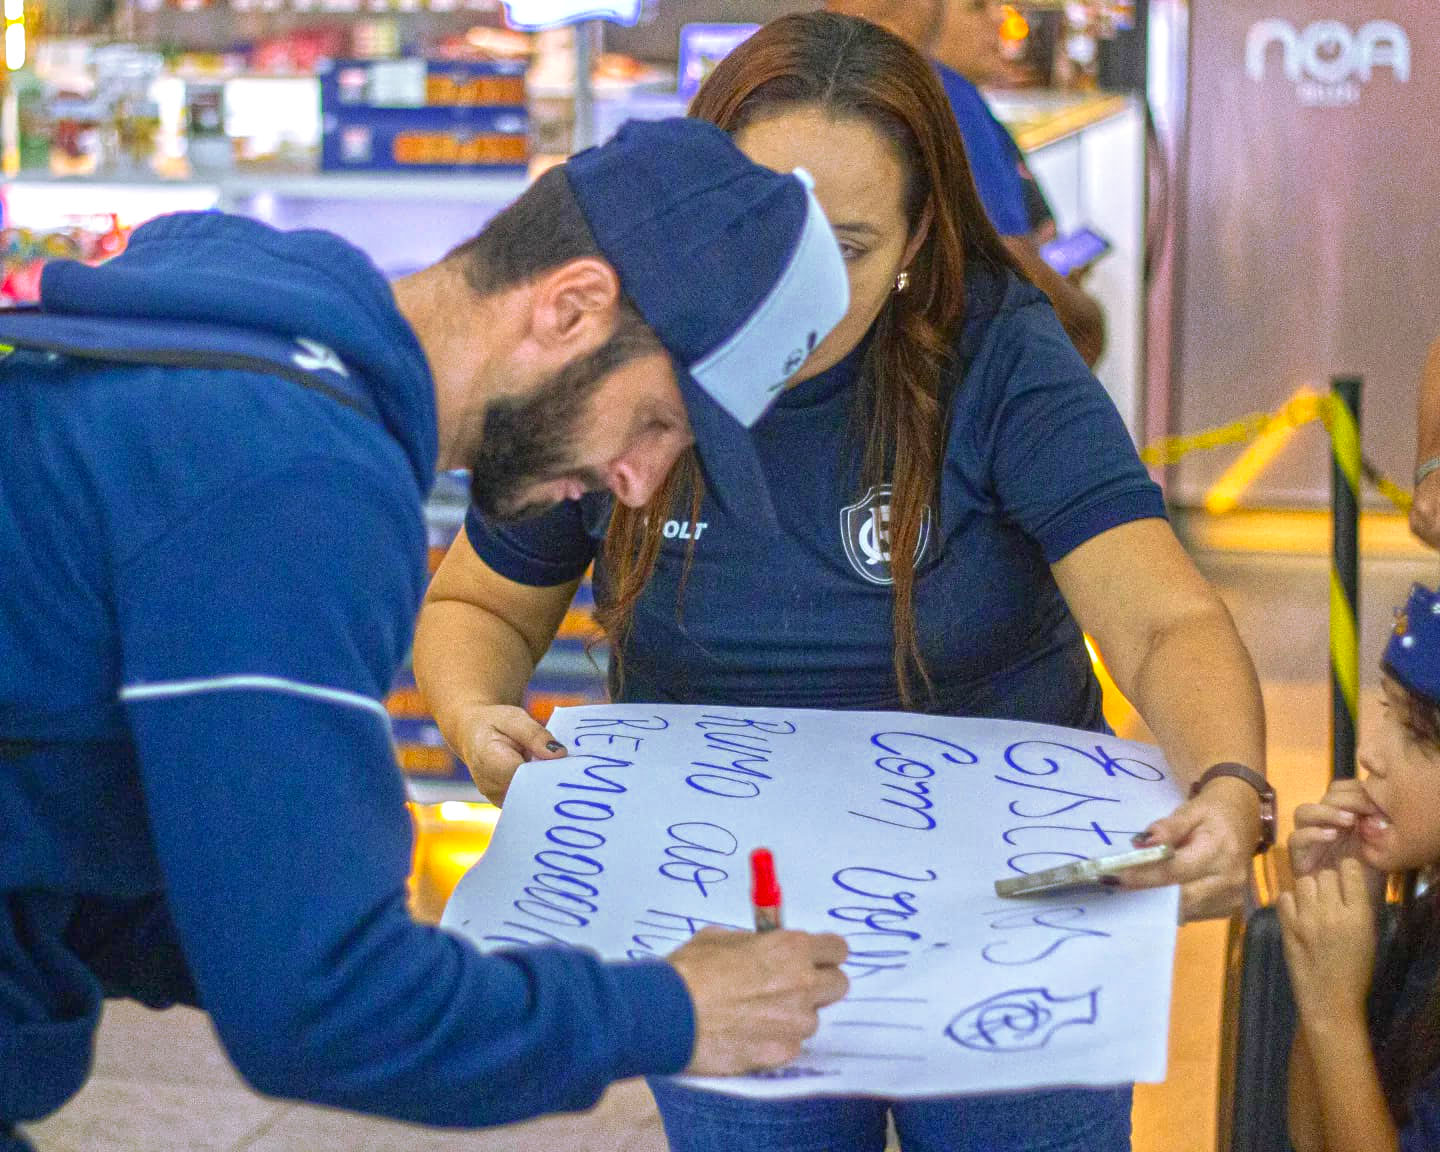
{"points": [[529, 440]]}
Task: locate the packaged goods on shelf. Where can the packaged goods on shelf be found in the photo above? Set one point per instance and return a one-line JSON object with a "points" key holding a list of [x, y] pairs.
{"points": [[273, 122], [24, 253], [416, 83], [426, 140], [702, 46], [424, 116]]}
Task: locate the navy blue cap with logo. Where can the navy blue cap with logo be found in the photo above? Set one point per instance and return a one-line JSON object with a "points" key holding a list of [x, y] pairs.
{"points": [[1412, 655], [732, 265]]}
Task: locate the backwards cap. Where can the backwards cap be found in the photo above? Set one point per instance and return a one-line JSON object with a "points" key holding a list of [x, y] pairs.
{"points": [[732, 265]]}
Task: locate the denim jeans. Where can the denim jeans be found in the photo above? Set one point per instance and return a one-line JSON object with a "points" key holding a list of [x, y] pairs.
{"points": [[1069, 1120]]}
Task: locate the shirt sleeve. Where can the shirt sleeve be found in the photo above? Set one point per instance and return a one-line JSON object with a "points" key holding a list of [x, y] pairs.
{"points": [[1045, 439], [988, 149], [997, 181], [542, 551], [1039, 217], [257, 648]]}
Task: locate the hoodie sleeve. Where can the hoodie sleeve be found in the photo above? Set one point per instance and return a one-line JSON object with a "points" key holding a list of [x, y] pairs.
{"points": [[259, 636]]}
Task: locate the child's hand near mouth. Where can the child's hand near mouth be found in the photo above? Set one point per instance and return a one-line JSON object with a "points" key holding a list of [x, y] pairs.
{"points": [[1334, 829]]}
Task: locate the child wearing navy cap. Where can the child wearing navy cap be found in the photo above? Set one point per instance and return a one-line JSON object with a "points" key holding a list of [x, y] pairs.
{"points": [[1365, 1068]]}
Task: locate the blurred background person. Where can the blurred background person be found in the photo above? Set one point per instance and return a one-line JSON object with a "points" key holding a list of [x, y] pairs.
{"points": [[961, 38]]}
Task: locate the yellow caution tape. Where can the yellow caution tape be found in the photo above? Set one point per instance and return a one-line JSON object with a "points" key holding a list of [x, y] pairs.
{"points": [[1301, 408], [1387, 487], [1275, 429]]}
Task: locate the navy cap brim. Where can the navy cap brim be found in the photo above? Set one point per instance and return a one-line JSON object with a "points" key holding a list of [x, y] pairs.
{"points": [[734, 478]]}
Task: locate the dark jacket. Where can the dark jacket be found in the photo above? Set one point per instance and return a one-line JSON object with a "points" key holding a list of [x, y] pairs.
{"points": [[207, 580]]}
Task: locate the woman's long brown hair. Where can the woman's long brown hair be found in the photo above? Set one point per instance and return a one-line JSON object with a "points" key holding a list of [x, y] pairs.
{"points": [[852, 69]]}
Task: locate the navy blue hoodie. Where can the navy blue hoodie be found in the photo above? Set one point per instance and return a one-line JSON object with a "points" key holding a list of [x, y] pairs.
{"points": [[207, 580]]}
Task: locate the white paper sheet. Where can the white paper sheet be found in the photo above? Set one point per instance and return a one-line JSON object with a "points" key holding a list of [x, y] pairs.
{"points": [[888, 828]]}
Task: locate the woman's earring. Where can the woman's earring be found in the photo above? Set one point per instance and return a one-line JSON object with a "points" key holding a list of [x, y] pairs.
{"points": [[902, 281]]}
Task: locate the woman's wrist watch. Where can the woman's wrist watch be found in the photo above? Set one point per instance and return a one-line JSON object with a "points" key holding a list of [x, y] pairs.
{"points": [[1262, 789]]}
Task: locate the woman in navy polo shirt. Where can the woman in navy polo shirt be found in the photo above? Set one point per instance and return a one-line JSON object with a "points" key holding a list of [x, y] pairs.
{"points": [[957, 499]]}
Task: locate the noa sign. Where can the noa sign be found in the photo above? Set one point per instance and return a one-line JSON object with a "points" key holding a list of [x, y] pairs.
{"points": [[1326, 61], [536, 15]]}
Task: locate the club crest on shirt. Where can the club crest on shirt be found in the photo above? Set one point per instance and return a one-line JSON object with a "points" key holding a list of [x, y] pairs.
{"points": [[865, 533]]}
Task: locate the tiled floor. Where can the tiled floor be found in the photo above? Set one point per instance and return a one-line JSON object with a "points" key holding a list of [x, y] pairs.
{"points": [[161, 1083]]}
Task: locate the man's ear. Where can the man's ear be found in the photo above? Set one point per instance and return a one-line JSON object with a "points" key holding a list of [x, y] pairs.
{"points": [[573, 308]]}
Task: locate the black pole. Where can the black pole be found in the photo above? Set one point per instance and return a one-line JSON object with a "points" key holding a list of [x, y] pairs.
{"points": [[1345, 473]]}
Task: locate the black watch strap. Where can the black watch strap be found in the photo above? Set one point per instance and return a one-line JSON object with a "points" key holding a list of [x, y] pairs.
{"points": [[1256, 781]]}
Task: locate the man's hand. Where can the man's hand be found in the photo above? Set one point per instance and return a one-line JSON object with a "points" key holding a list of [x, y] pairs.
{"points": [[757, 995], [499, 738], [1328, 928], [1214, 837]]}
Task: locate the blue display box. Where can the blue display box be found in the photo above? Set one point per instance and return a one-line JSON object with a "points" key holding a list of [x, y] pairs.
{"points": [[457, 139], [417, 83]]}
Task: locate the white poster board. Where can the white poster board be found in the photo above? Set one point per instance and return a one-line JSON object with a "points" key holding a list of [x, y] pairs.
{"points": [[888, 828]]}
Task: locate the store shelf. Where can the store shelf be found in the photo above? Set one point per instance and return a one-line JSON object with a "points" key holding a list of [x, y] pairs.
{"points": [[1038, 119], [379, 186], [231, 186]]}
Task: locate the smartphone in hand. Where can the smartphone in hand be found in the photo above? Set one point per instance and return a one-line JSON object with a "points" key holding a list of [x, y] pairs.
{"points": [[1081, 872], [1075, 251]]}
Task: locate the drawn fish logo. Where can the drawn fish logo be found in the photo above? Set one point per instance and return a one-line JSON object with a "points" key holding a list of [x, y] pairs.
{"points": [[1022, 1020]]}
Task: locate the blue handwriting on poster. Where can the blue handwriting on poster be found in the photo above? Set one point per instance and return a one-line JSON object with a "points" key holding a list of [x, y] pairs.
{"points": [[1031, 936], [884, 913], [564, 891], [1039, 802], [914, 759], [666, 931], [692, 852], [744, 748]]}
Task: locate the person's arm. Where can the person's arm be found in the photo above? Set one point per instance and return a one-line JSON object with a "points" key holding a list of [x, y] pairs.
{"points": [[1326, 832], [1425, 511], [478, 641], [1172, 648], [1351, 1105], [255, 657], [1080, 315], [1306, 1135], [1065, 470], [1328, 928]]}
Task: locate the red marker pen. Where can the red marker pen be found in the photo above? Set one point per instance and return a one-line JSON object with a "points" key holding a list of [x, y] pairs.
{"points": [[764, 890]]}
